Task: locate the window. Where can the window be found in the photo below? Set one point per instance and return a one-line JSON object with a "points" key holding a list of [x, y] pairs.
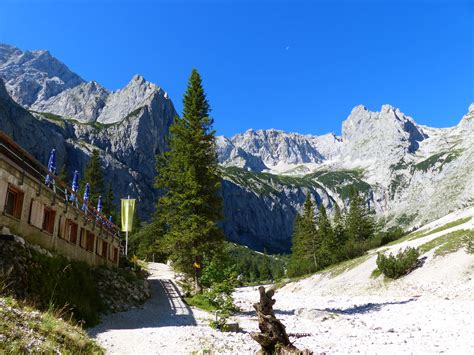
{"points": [[48, 220], [62, 227], [90, 241], [71, 232], [115, 255], [105, 247], [14, 202]]}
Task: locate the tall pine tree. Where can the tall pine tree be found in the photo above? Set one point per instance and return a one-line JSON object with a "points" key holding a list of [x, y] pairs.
{"points": [[109, 208], [339, 231], [305, 242], [94, 176], [360, 223], [326, 235], [188, 175]]}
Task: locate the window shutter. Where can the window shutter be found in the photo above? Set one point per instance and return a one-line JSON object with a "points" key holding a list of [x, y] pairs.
{"points": [[37, 214], [3, 193], [62, 231]]}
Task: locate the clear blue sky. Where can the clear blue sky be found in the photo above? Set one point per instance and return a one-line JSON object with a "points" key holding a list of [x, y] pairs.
{"points": [[296, 66]]}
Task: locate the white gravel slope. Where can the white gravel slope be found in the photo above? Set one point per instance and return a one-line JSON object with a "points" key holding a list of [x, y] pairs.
{"points": [[431, 310]]}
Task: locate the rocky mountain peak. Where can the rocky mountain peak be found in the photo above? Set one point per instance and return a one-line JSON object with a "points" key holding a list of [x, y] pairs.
{"points": [[381, 135], [134, 95], [34, 76], [468, 120], [83, 102]]}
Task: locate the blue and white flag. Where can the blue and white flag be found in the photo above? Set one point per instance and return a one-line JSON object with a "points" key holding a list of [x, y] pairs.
{"points": [[51, 167], [86, 197], [99, 204], [74, 186]]}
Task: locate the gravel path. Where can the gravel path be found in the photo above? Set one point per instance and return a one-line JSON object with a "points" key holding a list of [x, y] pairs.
{"points": [[165, 324]]}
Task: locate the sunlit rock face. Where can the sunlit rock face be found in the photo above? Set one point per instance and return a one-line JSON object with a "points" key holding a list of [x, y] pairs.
{"points": [[34, 76]]}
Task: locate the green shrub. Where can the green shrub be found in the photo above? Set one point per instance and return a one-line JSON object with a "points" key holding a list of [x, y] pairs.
{"points": [[391, 235], [395, 266]]}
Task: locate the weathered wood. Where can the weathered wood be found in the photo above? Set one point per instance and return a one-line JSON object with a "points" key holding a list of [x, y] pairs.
{"points": [[273, 336]]}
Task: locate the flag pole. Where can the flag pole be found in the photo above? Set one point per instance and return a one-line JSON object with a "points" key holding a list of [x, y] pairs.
{"points": [[126, 232]]}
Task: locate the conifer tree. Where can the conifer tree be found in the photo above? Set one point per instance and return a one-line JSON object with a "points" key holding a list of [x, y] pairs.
{"points": [[326, 235], [359, 222], [305, 248], [339, 232], [94, 176], [108, 202], [188, 175], [63, 175]]}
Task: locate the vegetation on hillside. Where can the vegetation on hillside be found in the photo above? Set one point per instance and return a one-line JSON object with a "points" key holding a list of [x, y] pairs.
{"points": [[450, 242], [320, 242], [69, 285], [340, 182], [26, 330], [395, 266]]}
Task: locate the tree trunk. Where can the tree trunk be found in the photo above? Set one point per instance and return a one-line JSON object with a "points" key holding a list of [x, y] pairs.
{"points": [[272, 337]]}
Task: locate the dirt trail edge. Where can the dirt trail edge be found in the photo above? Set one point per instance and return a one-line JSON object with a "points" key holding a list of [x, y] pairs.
{"points": [[163, 325]]}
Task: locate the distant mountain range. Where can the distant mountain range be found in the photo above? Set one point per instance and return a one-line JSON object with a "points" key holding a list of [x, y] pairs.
{"points": [[409, 173]]}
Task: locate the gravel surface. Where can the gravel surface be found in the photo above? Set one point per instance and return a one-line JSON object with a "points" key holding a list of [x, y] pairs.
{"points": [[431, 310], [165, 325]]}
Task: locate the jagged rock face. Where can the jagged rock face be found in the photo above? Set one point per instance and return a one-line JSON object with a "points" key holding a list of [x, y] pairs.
{"points": [[83, 102], [384, 136], [131, 97], [267, 149], [34, 76], [127, 148], [260, 212], [36, 136], [467, 121]]}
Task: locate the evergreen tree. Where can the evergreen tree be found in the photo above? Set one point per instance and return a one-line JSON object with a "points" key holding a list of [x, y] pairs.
{"points": [[326, 235], [109, 207], [94, 176], [359, 222], [305, 242], [339, 231], [63, 175], [191, 205]]}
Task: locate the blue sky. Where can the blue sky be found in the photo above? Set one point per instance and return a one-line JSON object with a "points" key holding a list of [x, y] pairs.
{"points": [[293, 65]]}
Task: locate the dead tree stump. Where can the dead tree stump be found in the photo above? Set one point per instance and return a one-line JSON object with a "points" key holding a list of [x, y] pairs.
{"points": [[273, 335]]}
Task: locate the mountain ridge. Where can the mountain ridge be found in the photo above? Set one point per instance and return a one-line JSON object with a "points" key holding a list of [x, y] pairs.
{"points": [[408, 172]]}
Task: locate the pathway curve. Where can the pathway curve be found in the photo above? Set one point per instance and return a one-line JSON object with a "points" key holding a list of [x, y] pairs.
{"points": [[164, 324]]}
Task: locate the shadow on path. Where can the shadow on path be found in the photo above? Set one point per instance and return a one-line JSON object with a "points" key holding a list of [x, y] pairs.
{"points": [[165, 308], [365, 308], [277, 312]]}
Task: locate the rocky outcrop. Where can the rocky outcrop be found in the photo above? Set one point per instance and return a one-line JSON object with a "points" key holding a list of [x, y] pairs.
{"points": [[83, 102], [260, 208], [34, 76], [127, 147], [38, 136], [384, 136], [118, 293], [270, 149]]}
